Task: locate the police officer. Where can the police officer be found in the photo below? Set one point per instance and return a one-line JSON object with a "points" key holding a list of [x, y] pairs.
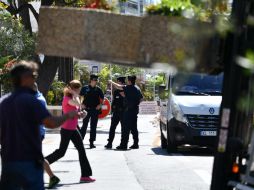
{"points": [[93, 98], [132, 98], [117, 110]]}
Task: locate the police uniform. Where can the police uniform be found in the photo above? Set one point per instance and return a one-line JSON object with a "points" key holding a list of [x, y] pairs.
{"points": [[92, 98], [117, 113], [132, 100]]}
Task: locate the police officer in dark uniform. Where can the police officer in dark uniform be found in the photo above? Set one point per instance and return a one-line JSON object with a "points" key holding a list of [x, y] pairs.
{"points": [[93, 97], [132, 98], [117, 112]]}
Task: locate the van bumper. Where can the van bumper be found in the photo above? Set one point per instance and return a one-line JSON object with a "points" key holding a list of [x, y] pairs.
{"points": [[182, 133]]}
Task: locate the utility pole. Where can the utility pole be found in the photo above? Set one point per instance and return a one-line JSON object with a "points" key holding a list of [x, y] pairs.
{"points": [[111, 85], [235, 83]]}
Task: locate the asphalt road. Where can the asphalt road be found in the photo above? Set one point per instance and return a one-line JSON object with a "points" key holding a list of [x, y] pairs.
{"points": [[148, 168]]}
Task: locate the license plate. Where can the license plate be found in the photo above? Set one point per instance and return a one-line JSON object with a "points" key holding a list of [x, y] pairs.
{"points": [[208, 133]]}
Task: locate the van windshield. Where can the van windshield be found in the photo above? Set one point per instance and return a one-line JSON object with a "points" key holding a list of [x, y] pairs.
{"points": [[197, 84]]}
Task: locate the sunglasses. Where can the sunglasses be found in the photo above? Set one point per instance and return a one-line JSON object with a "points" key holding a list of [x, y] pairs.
{"points": [[33, 75]]}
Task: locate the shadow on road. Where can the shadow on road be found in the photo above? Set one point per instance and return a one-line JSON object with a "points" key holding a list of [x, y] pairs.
{"points": [[184, 151], [63, 184], [57, 131]]}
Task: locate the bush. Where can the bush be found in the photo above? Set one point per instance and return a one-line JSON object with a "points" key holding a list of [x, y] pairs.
{"points": [[50, 97], [170, 8], [5, 78], [15, 40], [15, 44], [55, 93]]}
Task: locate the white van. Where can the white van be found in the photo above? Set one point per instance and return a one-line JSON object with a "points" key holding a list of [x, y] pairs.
{"points": [[189, 110]]}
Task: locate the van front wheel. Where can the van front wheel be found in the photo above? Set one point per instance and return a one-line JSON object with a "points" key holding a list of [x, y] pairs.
{"points": [[171, 148], [163, 140], [171, 145]]}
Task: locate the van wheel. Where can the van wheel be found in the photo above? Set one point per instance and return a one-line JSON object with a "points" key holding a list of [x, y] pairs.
{"points": [[171, 145], [171, 148], [163, 140]]}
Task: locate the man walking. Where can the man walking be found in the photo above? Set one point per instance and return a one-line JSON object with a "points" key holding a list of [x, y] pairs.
{"points": [[53, 180], [132, 99], [93, 97], [21, 114], [117, 112]]}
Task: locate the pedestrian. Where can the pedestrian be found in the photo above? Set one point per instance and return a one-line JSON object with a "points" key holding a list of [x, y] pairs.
{"points": [[69, 132], [92, 101], [117, 112], [132, 98], [53, 180], [21, 114]]}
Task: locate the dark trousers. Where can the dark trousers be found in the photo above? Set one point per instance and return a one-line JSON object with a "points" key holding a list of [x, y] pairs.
{"points": [[130, 119], [75, 137], [116, 118], [25, 175], [93, 115]]}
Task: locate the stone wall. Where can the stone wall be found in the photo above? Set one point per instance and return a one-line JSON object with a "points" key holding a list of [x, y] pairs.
{"points": [[122, 39]]}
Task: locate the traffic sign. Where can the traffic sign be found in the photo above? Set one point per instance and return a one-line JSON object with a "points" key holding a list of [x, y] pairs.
{"points": [[105, 109]]}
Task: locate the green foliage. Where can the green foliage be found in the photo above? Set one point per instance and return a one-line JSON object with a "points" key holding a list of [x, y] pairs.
{"points": [[148, 95], [147, 87], [125, 71], [6, 64], [202, 10], [104, 76], [50, 97], [170, 7], [15, 40], [157, 80], [3, 61], [116, 71], [55, 93], [15, 43], [152, 84], [81, 73]]}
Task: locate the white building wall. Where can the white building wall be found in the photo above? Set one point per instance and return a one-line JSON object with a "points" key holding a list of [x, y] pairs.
{"points": [[93, 66]]}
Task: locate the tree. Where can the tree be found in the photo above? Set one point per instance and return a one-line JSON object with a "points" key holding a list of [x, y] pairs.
{"points": [[16, 43], [50, 64], [147, 87], [116, 71], [81, 72]]}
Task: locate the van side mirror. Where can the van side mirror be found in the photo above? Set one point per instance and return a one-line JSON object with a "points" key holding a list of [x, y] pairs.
{"points": [[163, 93]]}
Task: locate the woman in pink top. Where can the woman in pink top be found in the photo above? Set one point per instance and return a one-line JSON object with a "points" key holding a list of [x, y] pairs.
{"points": [[69, 132]]}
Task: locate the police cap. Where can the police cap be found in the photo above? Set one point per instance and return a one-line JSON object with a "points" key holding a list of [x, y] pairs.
{"points": [[94, 77], [121, 79]]}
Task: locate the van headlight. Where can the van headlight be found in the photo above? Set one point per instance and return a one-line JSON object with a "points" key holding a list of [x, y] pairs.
{"points": [[177, 113]]}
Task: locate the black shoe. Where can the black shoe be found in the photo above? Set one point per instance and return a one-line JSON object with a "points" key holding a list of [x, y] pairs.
{"points": [[108, 146], [121, 148], [92, 146], [53, 182], [135, 146]]}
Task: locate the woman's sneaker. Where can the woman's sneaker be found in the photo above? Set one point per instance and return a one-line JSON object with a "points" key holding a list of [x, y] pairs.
{"points": [[53, 182], [86, 180]]}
